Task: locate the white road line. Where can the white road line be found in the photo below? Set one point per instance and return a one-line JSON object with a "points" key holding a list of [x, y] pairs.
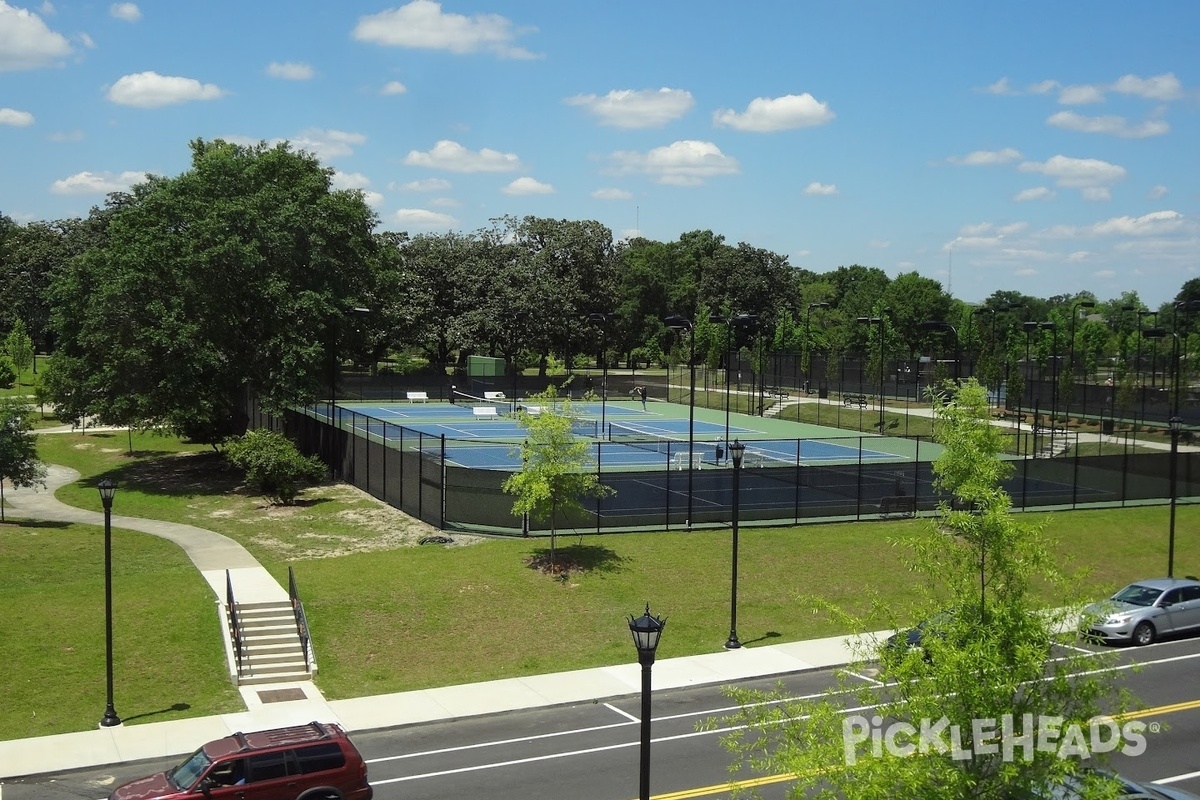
{"points": [[498, 742], [624, 714], [864, 678], [1177, 778]]}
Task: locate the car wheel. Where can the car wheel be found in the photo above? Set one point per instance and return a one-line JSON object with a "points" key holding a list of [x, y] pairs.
{"points": [[1143, 634]]}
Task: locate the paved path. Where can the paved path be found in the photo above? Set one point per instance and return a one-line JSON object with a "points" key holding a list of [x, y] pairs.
{"points": [[211, 552]]}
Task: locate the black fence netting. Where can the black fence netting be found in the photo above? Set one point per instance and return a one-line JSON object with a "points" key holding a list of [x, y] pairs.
{"points": [[410, 471]]}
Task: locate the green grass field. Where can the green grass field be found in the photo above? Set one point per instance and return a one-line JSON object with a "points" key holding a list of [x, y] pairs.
{"points": [[389, 616]]}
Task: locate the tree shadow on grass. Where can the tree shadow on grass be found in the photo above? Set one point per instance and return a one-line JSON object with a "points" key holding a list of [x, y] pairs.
{"points": [[766, 636], [577, 558], [179, 475], [175, 707]]}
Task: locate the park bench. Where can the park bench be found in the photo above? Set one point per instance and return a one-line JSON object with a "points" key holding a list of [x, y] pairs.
{"points": [[850, 400], [680, 460], [486, 412], [1019, 416], [494, 396], [417, 397], [898, 504], [534, 411], [779, 392]]}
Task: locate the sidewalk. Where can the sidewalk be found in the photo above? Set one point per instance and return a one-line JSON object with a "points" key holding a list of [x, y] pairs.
{"points": [[177, 738]]}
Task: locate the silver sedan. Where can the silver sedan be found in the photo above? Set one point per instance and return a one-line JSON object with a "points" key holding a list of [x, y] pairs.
{"points": [[1146, 610]]}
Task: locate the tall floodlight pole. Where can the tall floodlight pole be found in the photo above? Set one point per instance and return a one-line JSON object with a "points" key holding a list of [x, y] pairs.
{"points": [[1071, 357], [808, 339], [1176, 424], [881, 321], [679, 325], [943, 326], [600, 319]]}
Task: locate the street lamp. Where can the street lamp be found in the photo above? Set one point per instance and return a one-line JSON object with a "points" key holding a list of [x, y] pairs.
{"points": [[1071, 357], [1176, 427], [600, 319], [881, 321], [646, 630], [943, 326], [107, 490], [679, 325], [808, 339], [736, 450]]}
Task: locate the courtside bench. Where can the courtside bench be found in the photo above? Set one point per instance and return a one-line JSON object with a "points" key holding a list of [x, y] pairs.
{"points": [[417, 397], [850, 400], [903, 504], [494, 396], [486, 412]]}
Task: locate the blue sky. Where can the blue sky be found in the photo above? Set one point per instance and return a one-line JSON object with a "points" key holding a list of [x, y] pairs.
{"points": [[1042, 147]]}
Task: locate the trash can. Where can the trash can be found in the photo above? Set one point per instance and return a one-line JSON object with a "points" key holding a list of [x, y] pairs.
{"points": [[823, 393], [1106, 427]]}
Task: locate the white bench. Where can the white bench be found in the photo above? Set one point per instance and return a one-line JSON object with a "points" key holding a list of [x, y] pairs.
{"points": [[534, 411], [417, 397], [486, 412], [681, 460], [494, 396]]}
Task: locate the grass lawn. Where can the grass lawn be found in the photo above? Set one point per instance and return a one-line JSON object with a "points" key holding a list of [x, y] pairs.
{"points": [[387, 616]]}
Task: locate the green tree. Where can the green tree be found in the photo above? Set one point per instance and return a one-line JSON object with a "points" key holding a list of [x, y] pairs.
{"points": [[19, 347], [233, 278], [8, 373], [987, 656], [273, 465], [554, 473], [19, 464]]}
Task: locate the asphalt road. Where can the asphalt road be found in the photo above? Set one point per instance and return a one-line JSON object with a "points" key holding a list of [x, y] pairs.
{"points": [[591, 752]]}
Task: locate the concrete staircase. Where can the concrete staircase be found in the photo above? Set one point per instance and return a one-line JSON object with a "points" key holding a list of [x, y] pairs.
{"points": [[271, 648]]}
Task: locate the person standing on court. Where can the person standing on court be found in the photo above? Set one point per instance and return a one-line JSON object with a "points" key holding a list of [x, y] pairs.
{"points": [[640, 391]]}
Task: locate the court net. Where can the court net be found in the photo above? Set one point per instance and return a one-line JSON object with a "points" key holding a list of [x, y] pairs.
{"points": [[632, 437]]}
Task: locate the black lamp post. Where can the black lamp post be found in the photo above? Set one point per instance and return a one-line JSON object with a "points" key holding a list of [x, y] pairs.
{"points": [[736, 450], [107, 490], [808, 339], [646, 630], [600, 319], [1176, 427], [943, 326], [881, 321], [679, 325], [1074, 316]]}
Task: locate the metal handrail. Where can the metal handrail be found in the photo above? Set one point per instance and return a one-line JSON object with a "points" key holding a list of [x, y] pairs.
{"points": [[298, 612], [235, 628]]}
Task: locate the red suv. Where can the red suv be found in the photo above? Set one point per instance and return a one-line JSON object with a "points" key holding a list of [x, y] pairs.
{"points": [[309, 762]]}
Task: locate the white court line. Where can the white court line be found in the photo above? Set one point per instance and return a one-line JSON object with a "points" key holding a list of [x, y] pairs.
{"points": [[625, 714]]}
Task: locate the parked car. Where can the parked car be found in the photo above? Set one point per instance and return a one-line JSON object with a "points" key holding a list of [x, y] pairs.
{"points": [[914, 638], [311, 761], [1144, 611]]}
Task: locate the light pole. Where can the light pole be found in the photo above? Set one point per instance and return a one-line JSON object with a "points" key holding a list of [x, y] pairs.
{"points": [[736, 450], [107, 490], [680, 324], [881, 321], [808, 339], [943, 326], [1176, 426], [731, 321], [646, 630], [600, 319], [1071, 357]]}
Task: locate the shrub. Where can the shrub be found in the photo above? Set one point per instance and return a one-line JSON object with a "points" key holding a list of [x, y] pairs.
{"points": [[8, 373], [273, 465]]}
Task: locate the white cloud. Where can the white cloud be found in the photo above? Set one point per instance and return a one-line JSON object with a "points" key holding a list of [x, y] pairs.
{"points": [[17, 119], [1104, 274], [629, 108], [349, 180], [821, 189], [1045, 87], [1080, 95], [423, 218], [879, 244], [1078, 257], [327, 144], [986, 158], [1037, 193], [67, 136], [453, 157], [527, 186], [610, 193], [1158, 87], [151, 90], [26, 42], [1157, 192], [290, 70], [1115, 126], [1012, 228], [1076, 173], [393, 87], [1156, 222], [1096, 194], [97, 182], [47, 8], [1001, 86], [125, 11], [766, 115], [426, 185], [445, 202], [682, 163], [421, 24]]}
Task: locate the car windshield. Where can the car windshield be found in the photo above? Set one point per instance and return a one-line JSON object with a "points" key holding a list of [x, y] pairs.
{"points": [[1137, 595], [187, 773]]}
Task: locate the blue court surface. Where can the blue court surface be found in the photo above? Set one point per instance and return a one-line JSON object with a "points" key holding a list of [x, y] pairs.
{"points": [[487, 436]]}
